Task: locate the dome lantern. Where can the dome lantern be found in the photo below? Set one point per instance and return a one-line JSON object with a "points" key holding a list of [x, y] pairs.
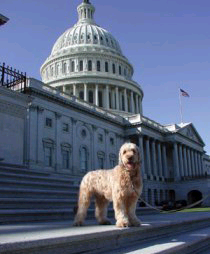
{"points": [[85, 12]]}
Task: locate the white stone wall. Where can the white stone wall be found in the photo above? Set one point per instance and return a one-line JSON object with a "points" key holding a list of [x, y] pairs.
{"points": [[13, 111]]}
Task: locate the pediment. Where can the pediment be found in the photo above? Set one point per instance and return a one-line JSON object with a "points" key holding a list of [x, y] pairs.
{"points": [[190, 132]]}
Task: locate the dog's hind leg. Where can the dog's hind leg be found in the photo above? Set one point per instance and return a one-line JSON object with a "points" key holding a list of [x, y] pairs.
{"points": [[83, 204], [101, 205]]}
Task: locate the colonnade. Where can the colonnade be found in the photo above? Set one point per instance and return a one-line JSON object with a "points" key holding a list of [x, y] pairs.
{"points": [[188, 161], [162, 160], [108, 96]]}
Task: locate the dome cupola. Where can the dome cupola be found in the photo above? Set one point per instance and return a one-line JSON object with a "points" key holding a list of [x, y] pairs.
{"points": [[86, 12]]}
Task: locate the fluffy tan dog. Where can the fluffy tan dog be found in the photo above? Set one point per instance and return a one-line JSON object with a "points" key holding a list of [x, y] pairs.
{"points": [[122, 185]]}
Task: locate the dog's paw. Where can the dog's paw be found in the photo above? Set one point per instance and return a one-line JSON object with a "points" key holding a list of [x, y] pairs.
{"points": [[123, 224], [136, 223]]}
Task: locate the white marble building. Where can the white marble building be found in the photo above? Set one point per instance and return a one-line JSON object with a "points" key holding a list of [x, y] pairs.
{"points": [[87, 105]]}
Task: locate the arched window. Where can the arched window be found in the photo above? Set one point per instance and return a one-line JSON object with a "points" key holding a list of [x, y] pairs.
{"points": [[89, 65], [98, 66], [120, 70], [90, 96], [81, 65], [113, 68], [72, 66], [106, 67], [83, 159]]}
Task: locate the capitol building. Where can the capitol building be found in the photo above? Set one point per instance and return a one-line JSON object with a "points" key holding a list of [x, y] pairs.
{"points": [[86, 106]]}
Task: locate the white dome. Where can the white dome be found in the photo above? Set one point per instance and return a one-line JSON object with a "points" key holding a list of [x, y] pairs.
{"points": [[86, 34], [86, 61]]}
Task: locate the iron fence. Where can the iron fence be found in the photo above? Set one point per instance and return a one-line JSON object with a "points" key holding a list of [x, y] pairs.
{"points": [[12, 78]]}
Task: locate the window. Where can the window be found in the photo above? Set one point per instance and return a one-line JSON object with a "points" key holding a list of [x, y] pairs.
{"points": [[100, 138], [48, 122], [65, 127], [72, 66], [112, 141], [89, 65], [48, 156], [113, 160], [100, 97], [90, 95], [81, 95], [51, 71], [65, 159], [56, 69], [113, 68], [98, 66], [81, 65], [64, 68], [83, 159], [106, 67], [101, 160], [120, 70], [48, 146]]}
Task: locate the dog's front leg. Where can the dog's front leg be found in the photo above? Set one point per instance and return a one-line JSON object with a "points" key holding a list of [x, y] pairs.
{"points": [[120, 212]]}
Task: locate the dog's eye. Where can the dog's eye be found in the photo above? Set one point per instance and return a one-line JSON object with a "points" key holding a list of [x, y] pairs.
{"points": [[133, 150], [124, 151]]}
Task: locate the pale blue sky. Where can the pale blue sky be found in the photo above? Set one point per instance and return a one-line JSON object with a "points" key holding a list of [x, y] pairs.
{"points": [[167, 41]]}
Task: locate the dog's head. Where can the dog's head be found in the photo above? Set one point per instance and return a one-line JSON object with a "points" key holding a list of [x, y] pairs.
{"points": [[129, 156]]}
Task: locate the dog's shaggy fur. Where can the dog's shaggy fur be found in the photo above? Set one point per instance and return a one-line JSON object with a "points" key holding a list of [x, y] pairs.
{"points": [[122, 185]]}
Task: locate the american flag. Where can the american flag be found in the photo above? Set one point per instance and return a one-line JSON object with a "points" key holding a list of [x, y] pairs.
{"points": [[183, 93]]}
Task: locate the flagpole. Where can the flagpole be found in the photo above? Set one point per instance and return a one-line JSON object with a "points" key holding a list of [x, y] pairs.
{"points": [[180, 104]]}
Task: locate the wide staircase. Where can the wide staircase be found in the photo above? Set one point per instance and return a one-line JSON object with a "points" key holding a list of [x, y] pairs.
{"points": [[28, 196]]}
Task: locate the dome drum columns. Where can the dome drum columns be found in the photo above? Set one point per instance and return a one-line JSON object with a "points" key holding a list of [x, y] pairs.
{"points": [[109, 97]]}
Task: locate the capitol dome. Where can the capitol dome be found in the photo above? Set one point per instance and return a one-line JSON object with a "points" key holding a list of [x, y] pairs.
{"points": [[86, 61]]}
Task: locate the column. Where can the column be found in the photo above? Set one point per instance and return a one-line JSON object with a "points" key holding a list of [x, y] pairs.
{"points": [[85, 92], [107, 96], [181, 164], [141, 147], [96, 95], [58, 157], [126, 100], [117, 98], [165, 167], [185, 162], [176, 162], [160, 166], [137, 104], [148, 157], [74, 90], [196, 164], [189, 162], [132, 103], [201, 162], [154, 159], [113, 99], [75, 157], [192, 162], [140, 106], [64, 89]]}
